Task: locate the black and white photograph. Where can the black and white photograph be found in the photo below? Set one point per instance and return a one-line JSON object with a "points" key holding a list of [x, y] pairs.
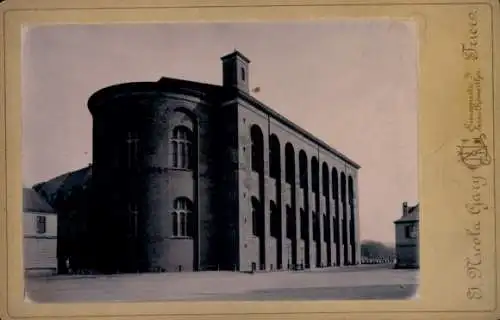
{"points": [[220, 161]]}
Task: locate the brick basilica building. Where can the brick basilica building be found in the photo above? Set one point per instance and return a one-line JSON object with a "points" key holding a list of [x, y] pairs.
{"points": [[194, 176]]}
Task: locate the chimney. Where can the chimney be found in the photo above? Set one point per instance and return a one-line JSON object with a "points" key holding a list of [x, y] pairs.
{"points": [[405, 208], [235, 71]]}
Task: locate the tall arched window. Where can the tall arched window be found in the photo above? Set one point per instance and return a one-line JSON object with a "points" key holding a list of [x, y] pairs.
{"points": [[315, 174], [175, 224], [335, 185], [343, 188], [344, 217], [257, 149], [182, 145], [183, 225], [182, 218], [336, 214], [350, 189], [303, 169], [274, 157], [289, 164], [352, 214], [326, 185]]}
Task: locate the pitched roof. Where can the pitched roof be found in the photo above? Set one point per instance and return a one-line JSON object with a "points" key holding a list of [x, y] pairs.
{"points": [[64, 183], [77, 178], [51, 186], [33, 202], [413, 215]]}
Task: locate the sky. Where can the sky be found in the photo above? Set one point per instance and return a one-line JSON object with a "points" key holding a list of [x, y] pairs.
{"points": [[351, 83]]}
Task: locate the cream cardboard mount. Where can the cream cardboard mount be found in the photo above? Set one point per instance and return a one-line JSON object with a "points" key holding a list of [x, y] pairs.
{"points": [[450, 50]]}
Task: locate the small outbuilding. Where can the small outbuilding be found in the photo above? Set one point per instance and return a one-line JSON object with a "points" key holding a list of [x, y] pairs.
{"points": [[40, 234], [407, 243]]}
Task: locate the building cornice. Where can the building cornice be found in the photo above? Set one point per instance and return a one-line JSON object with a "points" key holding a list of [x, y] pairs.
{"points": [[309, 136]]}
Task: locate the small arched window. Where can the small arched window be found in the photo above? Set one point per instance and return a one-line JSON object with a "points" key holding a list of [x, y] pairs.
{"points": [[182, 148], [182, 220], [243, 74]]}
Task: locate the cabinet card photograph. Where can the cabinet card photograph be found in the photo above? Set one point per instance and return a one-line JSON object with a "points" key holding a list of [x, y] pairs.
{"points": [[183, 167], [231, 160]]}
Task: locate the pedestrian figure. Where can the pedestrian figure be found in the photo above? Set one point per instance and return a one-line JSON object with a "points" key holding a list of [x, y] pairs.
{"points": [[68, 266]]}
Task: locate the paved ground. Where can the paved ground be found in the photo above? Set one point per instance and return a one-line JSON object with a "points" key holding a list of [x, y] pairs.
{"points": [[348, 283]]}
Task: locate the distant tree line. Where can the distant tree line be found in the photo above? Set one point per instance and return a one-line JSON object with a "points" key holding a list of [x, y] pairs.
{"points": [[373, 252]]}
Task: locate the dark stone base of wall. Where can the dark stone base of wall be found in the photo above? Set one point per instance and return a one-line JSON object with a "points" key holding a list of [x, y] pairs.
{"points": [[406, 266], [40, 272]]}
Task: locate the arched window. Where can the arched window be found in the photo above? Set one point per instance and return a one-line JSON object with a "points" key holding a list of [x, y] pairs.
{"points": [[350, 190], [182, 219], [344, 216], [335, 184], [315, 174], [303, 169], [175, 224], [290, 164], [183, 225], [182, 145], [342, 187], [257, 149], [352, 214], [274, 157], [326, 184], [243, 74]]}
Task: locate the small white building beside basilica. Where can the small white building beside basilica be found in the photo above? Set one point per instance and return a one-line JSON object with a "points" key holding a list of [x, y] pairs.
{"points": [[40, 234]]}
